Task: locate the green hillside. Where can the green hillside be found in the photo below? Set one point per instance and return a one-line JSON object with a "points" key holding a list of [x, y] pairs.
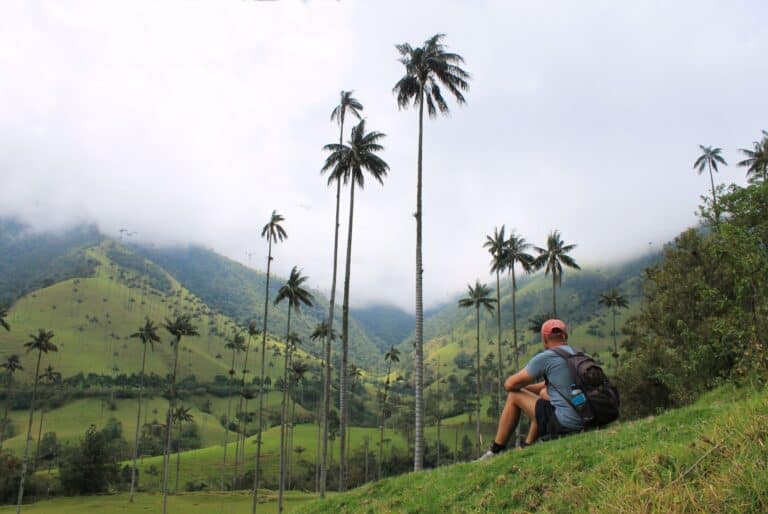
{"points": [[708, 457], [237, 291]]}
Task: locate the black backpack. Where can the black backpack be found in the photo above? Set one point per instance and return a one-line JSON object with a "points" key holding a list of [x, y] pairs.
{"points": [[602, 405]]}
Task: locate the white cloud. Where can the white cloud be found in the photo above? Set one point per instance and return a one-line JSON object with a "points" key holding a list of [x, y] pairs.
{"points": [[192, 121]]}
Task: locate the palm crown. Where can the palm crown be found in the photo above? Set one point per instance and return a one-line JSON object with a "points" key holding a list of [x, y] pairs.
{"points": [[516, 250], [613, 300], [12, 364], [322, 331], [236, 344], [3, 322], [181, 326], [147, 334], [346, 103], [428, 68], [757, 159], [393, 355], [554, 256], [41, 342], [709, 157], [347, 162], [273, 231], [293, 291], [497, 247], [477, 297]]}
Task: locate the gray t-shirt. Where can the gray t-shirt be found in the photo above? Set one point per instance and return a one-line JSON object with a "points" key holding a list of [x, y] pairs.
{"points": [[555, 368]]}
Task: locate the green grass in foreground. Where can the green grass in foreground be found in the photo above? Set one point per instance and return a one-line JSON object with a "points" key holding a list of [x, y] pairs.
{"points": [[709, 457], [187, 503]]}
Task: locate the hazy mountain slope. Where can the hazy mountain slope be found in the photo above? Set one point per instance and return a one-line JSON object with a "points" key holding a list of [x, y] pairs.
{"points": [[238, 292], [30, 260], [387, 325]]}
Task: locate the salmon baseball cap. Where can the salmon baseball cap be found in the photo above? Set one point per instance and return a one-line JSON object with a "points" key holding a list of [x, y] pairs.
{"points": [[552, 326]]}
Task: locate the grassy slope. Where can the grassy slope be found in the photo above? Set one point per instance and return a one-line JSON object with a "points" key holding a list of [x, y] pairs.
{"points": [[99, 345], [709, 457], [187, 503]]}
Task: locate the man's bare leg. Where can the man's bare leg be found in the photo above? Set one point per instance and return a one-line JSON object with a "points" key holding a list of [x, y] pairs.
{"points": [[517, 402]]}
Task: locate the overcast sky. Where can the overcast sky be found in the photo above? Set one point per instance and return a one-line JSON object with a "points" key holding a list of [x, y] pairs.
{"points": [[191, 121]]}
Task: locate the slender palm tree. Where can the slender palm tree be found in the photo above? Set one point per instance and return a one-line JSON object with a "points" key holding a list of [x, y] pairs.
{"points": [[428, 68], [347, 103], [709, 158], [180, 326], [180, 415], [147, 334], [42, 344], [11, 365], [325, 333], [477, 297], [298, 372], [294, 293], [496, 245], [613, 300], [253, 331], [516, 252], [391, 357], [237, 345], [552, 258], [274, 233], [347, 162], [756, 160], [49, 377]]}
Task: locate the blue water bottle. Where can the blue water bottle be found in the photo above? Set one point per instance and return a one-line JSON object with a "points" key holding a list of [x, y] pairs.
{"points": [[577, 396]]}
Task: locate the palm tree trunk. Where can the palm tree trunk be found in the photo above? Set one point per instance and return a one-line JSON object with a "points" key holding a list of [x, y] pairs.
{"points": [[418, 449], [327, 382], [343, 407], [714, 196], [5, 416], [240, 423], [514, 337], [169, 426], [554, 298], [29, 435], [261, 387], [138, 424], [477, 417], [615, 345], [283, 415], [229, 412], [290, 447], [39, 437], [178, 460], [498, 335]]}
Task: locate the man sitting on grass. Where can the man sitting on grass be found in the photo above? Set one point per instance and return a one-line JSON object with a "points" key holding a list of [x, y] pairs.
{"points": [[551, 415]]}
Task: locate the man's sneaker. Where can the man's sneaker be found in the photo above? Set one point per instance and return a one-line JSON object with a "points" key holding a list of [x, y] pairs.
{"points": [[487, 455]]}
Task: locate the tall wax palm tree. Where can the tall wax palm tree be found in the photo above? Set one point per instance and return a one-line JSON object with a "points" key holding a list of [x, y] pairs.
{"points": [[709, 158], [148, 337], [428, 69], [391, 357], [298, 372], [552, 258], [347, 162], [477, 297], [180, 415], [516, 252], [11, 365], [325, 333], [49, 377], [613, 300], [253, 331], [274, 233], [497, 247], [347, 103], [42, 344], [237, 345], [294, 293], [180, 326], [292, 342], [756, 160]]}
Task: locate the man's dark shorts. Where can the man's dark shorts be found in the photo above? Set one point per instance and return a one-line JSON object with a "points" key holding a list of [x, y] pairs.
{"points": [[549, 427]]}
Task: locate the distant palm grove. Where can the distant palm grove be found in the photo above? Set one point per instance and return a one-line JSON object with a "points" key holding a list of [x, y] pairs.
{"points": [[286, 408]]}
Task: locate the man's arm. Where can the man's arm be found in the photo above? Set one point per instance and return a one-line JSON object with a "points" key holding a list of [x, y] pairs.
{"points": [[517, 381]]}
